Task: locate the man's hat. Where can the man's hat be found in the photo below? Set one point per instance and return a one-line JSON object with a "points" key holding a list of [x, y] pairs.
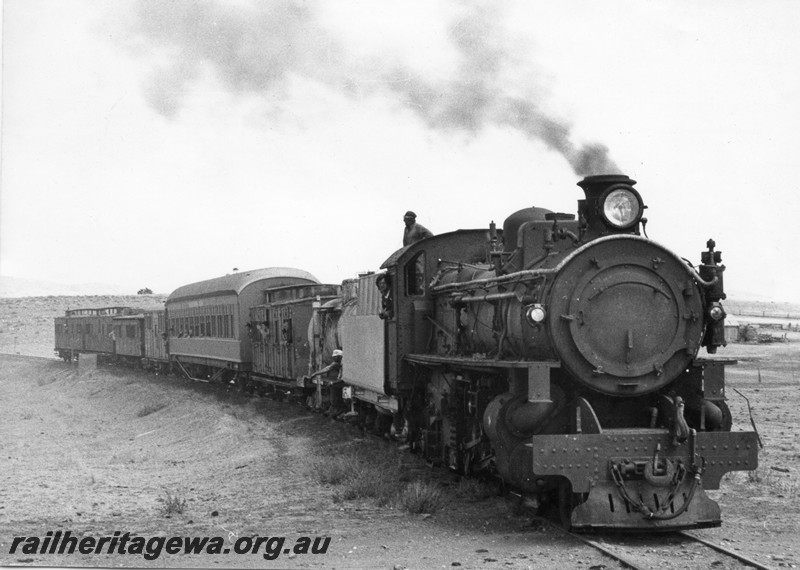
{"points": [[337, 352], [410, 214]]}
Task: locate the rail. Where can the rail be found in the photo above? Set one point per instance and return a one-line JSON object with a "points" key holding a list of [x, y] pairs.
{"points": [[627, 562], [721, 549]]}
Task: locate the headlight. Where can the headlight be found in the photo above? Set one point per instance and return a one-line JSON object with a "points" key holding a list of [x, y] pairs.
{"points": [[716, 312], [621, 206], [535, 314]]}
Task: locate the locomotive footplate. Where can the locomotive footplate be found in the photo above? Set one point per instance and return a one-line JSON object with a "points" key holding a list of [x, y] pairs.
{"points": [[637, 478]]}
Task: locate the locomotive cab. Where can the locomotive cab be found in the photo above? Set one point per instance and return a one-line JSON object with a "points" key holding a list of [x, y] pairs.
{"points": [[413, 272]]}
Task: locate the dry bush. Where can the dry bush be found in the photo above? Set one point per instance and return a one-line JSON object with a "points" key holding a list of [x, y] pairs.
{"points": [[359, 476], [473, 489], [377, 473], [334, 470], [421, 497], [369, 482], [172, 504]]}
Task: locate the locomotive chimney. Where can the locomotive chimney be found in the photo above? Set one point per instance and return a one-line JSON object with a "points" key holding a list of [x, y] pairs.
{"points": [[593, 186]]}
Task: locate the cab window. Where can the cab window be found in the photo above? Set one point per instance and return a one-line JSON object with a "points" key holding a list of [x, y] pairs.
{"points": [[415, 276]]}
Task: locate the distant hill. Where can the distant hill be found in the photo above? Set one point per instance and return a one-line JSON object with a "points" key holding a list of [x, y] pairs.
{"points": [[11, 287], [774, 309]]}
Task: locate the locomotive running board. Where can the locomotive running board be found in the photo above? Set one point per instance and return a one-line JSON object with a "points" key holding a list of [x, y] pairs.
{"points": [[475, 363]]}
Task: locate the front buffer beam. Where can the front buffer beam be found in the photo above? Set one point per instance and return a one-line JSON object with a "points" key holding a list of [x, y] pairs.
{"points": [[637, 478]]}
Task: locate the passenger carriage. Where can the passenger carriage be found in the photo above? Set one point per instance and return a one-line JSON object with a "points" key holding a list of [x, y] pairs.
{"points": [[141, 339], [86, 331], [208, 334]]}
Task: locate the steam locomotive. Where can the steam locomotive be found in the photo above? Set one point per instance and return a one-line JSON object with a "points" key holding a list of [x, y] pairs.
{"points": [[558, 355]]}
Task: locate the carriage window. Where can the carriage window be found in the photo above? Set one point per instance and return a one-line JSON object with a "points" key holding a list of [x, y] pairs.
{"points": [[415, 275]]}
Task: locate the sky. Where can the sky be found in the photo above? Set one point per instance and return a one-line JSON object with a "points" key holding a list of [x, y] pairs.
{"points": [[152, 144]]}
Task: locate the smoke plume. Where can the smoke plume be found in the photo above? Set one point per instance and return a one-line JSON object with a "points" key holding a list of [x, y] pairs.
{"points": [[258, 48]]}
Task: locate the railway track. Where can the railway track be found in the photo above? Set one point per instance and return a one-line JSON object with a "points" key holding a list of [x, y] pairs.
{"points": [[740, 557], [651, 550], [641, 551], [644, 553]]}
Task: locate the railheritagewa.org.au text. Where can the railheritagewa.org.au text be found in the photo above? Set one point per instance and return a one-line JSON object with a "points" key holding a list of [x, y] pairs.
{"points": [[270, 547]]}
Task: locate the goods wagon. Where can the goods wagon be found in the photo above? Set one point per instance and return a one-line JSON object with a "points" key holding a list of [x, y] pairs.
{"points": [[278, 332]]}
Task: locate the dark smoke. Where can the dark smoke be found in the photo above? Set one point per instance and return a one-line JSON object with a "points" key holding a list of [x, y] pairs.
{"points": [[585, 160], [258, 49], [249, 49]]}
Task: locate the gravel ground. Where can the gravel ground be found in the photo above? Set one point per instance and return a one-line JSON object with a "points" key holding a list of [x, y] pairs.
{"points": [[96, 451]]}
